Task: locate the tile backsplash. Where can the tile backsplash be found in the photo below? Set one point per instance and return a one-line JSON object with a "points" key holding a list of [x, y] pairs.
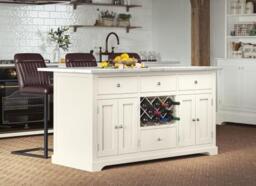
{"points": [[24, 28]]}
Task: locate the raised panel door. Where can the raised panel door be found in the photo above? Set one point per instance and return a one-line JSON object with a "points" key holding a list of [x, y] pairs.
{"points": [[248, 88], [204, 117], [229, 85], [186, 112], [107, 127], [128, 112]]}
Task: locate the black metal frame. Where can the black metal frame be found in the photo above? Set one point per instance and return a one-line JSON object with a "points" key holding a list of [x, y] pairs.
{"points": [[25, 152]]}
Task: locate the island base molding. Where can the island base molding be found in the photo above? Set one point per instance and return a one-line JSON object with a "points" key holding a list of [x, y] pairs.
{"points": [[132, 158], [236, 117]]}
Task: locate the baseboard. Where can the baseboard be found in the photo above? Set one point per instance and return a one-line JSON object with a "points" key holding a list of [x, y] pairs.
{"points": [[236, 117]]}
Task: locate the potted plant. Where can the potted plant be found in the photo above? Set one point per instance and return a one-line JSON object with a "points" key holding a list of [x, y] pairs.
{"points": [[107, 18], [61, 39], [124, 20]]}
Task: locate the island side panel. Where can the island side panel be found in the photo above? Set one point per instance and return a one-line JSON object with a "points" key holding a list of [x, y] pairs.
{"points": [[73, 120]]}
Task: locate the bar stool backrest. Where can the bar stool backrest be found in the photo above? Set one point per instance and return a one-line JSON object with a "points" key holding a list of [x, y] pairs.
{"points": [[80, 60], [26, 66]]}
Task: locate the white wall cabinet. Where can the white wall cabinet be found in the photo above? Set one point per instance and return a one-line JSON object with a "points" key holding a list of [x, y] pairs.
{"points": [[196, 113], [236, 91], [117, 128], [108, 126]]}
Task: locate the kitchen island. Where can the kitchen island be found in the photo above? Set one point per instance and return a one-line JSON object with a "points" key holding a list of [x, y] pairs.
{"points": [[106, 117]]}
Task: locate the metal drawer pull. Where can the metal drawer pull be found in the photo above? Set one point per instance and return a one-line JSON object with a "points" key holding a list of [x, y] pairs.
{"points": [[118, 85], [158, 83], [119, 127], [194, 120], [159, 139], [198, 119], [196, 82]]}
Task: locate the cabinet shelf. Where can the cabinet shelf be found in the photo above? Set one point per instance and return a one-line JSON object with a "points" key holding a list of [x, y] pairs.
{"points": [[75, 27], [241, 15], [128, 7], [241, 37]]}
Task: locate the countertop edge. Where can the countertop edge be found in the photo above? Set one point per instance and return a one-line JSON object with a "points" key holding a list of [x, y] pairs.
{"points": [[116, 71]]}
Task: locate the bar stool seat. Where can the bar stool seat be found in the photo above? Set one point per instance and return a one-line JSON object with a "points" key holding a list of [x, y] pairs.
{"points": [[32, 82]]}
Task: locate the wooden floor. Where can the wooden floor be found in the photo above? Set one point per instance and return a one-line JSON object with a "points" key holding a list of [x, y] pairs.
{"points": [[234, 166]]}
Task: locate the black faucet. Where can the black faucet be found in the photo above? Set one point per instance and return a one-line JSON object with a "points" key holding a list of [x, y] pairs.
{"points": [[106, 47], [108, 36]]}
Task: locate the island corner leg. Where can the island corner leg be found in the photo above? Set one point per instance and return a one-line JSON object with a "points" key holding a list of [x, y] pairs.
{"points": [[212, 152]]}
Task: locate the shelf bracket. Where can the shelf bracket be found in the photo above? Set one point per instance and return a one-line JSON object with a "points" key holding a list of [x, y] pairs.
{"points": [[127, 8], [74, 6], [75, 29]]}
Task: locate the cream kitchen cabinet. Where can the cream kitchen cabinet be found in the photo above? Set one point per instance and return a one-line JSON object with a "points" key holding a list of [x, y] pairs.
{"points": [[98, 115], [117, 127], [196, 119], [236, 91]]}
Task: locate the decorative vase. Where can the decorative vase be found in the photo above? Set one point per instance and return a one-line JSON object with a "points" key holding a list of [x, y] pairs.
{"points": [[249, 8], [56, 54]]}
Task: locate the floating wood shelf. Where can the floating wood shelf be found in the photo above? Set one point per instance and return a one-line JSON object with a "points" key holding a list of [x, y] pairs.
{"points": [[75, 4], [75, 27], [34, 2]]}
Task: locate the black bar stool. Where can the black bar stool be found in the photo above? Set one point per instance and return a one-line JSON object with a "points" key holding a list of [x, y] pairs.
{"points": [[32, 82], [80, 60]]}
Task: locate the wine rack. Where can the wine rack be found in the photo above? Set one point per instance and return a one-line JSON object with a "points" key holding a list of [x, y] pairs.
{"points": [[155, 111]]}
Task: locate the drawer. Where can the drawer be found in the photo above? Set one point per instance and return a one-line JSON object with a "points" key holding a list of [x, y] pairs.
{"points": [[195, 82], [117, 85], [156, 139], [158, 84]]}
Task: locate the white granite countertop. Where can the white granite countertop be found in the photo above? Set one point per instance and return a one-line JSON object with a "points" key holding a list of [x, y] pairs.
{"points": [[96, 70]]}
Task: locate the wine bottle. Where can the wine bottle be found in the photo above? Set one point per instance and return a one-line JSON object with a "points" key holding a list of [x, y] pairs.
{"points": [[174, 118], [157, 104], [144, 119], [170, 102], [145, 104], [150, 111]]}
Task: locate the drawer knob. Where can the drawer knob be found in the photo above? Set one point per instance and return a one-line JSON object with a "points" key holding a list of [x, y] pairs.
{"points": [[194, 120], [159, 139], [118, 85], [198, 119], [196, 82], [158, 83]]}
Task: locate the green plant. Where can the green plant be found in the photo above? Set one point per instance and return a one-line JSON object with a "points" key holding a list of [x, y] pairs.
{"points": [[124, 17], [253, 32], [60, 37], [107, 14]]}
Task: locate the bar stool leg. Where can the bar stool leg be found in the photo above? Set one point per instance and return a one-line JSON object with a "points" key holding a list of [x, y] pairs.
{"points": [[46, 126]]}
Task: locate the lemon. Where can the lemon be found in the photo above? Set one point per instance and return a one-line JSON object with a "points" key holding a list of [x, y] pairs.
{"points": [[104, 64], [125, 56], [117, 59]]}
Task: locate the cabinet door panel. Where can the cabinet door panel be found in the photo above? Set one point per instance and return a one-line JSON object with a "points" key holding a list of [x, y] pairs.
{"points": [[186, 112], [204, 114], [248, 87], [129, 120], [107, 134], [229, 81]]}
